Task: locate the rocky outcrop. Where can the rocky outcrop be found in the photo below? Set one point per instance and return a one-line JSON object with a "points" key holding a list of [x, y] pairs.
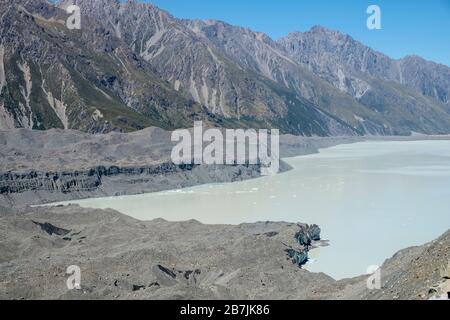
{"points": [[300, 258], [51, 229], [306, 236], [42, 187], [66, 182]]}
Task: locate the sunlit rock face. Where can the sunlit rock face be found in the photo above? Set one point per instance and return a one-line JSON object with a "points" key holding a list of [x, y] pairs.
{"points": [[132, 65]]}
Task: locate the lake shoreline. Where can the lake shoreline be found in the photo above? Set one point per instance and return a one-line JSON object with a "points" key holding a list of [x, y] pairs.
{"points": [[72, 217], [34, 176], [89, 166], [347, 190]]}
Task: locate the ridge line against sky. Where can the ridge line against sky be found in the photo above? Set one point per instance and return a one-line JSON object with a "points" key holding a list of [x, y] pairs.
{"points": [[409, 27]]}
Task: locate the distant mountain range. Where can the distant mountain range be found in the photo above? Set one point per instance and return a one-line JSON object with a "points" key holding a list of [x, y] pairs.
{"points": [[133, 65]]}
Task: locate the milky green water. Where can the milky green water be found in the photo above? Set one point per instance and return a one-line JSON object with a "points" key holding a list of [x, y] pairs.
{"points": [[371, 199]]}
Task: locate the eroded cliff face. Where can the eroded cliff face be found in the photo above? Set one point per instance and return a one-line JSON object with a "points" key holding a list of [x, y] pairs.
{"points": [[76, 181], [56, 165], [33, 188]]}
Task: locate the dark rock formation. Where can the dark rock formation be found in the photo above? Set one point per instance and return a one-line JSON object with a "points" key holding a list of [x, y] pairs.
{"points": [[187, 274], [308, 234], [167, 271], [137, 287], [164, 276], [305, 237], [67, 181], [51, 229], [300, 258]]}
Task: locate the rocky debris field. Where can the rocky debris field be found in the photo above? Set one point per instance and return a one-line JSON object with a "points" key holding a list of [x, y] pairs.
{"points": [[123, 258]]}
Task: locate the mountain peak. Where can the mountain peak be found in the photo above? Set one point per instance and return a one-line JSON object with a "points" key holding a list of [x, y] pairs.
{"points": [[133, 65], [320, 29], [315, 32]]}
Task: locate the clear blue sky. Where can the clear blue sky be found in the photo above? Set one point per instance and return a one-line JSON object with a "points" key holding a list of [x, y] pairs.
{"points": [[420, 27]]}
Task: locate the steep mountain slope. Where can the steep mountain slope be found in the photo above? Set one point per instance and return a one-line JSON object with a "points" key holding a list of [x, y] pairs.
{"points": [[53, 77], [195, 66], [327, 51], [412, 93], [258, 53], [133, 65]]}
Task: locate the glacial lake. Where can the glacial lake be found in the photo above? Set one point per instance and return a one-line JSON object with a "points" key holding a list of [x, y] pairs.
{"points": [[371, 199]]}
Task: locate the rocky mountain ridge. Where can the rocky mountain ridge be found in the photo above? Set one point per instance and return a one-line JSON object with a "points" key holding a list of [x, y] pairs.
{"points": [[133, 65], [320, 48]]}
